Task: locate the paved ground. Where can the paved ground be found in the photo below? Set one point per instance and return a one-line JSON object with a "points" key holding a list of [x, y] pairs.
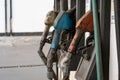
{"points": [[19, 59]]}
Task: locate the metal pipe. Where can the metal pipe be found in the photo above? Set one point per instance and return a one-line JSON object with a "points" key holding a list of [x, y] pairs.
{"points": [[6, 17], [80, 9], [63, 5], [97, 41], [57, 5], [10, 17], [105, 15], [71, 3]]}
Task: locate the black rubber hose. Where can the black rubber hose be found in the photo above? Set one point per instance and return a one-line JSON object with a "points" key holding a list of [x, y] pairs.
{"points": [[41, 54]]}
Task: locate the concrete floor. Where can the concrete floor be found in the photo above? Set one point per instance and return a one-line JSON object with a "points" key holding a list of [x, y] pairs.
{"points": [[19, 59]]}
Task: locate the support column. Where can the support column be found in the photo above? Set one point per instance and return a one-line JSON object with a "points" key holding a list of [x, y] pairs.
{"points": [[117, 26]]}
